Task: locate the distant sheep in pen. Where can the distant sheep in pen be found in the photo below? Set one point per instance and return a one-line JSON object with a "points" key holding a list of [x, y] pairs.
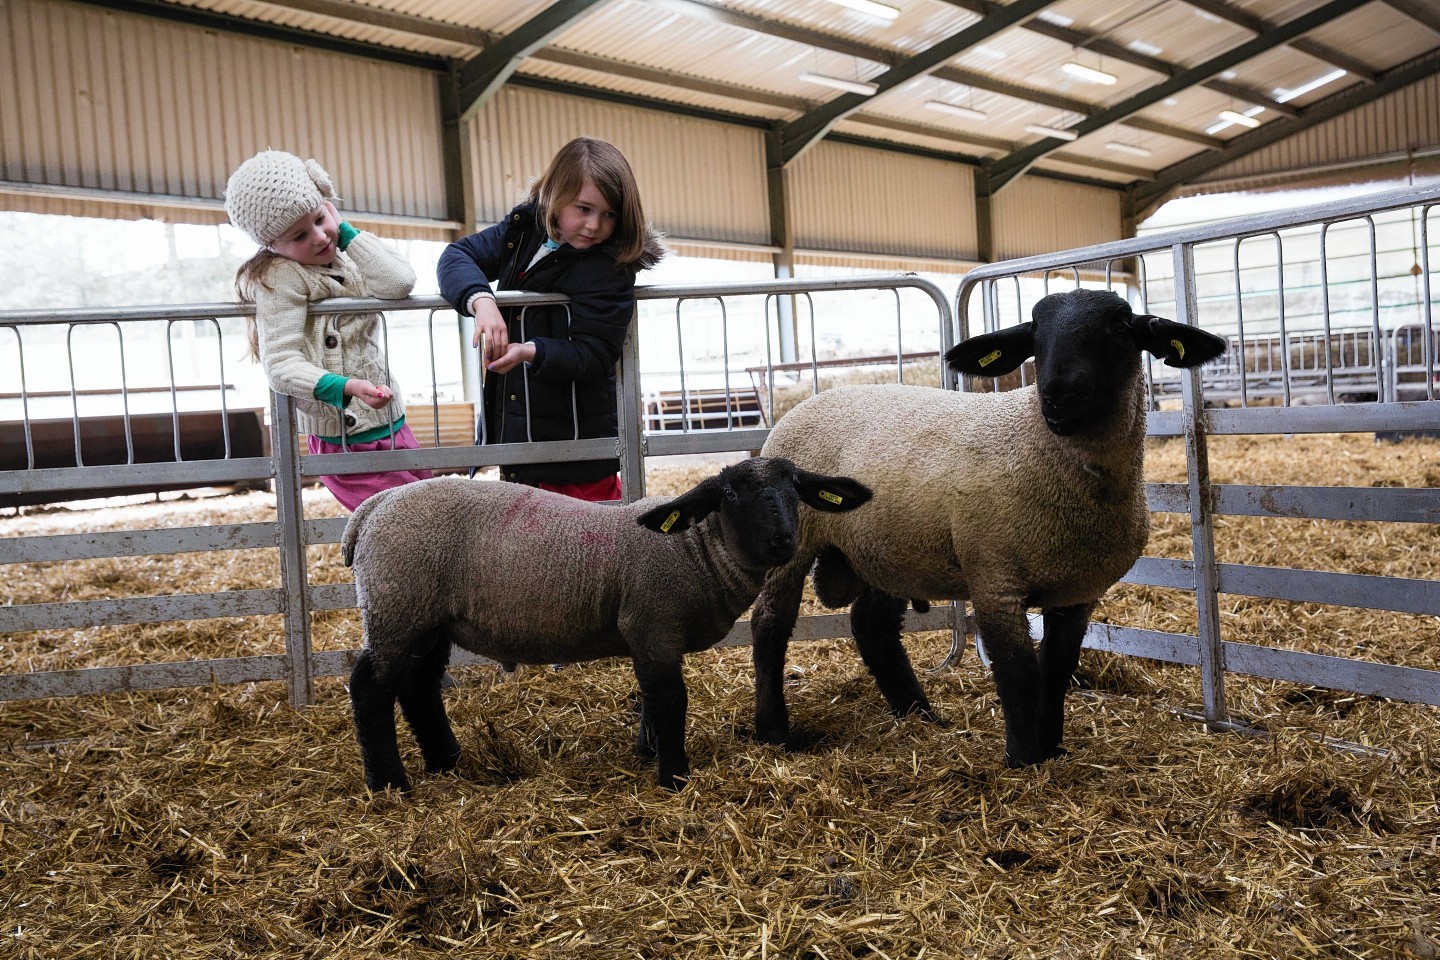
{"points": [[524, 575], [1028, 498]]}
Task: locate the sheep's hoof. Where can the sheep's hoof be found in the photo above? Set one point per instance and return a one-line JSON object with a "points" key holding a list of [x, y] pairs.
{"points": [[444, 764], [926, 713], [674, 782], [1015, 764], [380, 785]]}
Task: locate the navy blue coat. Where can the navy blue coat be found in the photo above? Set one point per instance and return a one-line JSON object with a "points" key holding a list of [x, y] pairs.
{"points": [[575, 348]]}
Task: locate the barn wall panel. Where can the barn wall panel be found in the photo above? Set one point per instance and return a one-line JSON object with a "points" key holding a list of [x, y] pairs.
{"points": [[858, 199], [699, 179], [1034, 215], [101, 101]]}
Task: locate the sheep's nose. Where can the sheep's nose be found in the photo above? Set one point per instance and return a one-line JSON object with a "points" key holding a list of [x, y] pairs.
{"points": [[782, 544]]}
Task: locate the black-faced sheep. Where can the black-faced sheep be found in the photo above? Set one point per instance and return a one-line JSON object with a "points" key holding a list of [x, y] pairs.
{"points": [[524, 575], [1028, 498]]}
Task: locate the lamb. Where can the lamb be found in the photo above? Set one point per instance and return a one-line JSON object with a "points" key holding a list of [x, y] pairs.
{"points": [[1028, 498], [524, 575]]}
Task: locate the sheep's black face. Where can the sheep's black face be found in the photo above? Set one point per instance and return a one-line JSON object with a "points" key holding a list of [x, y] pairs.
{"points": [[761, 509], [1085, 359]]}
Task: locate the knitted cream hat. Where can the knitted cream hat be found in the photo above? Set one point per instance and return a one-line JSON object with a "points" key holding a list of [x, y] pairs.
{"points": [[272, 190]]}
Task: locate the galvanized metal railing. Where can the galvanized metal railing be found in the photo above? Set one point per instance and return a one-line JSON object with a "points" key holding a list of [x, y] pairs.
{"points": [[286, 470], [1203, 500]]}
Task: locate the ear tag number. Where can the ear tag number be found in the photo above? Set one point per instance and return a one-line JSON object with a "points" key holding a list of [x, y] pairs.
{"points": [[831, 497], [670, 521], [1179, 349], [989, 358]]}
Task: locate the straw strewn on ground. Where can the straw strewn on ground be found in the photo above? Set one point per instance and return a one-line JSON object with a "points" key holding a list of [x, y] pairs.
{"points": [[218, 822]]}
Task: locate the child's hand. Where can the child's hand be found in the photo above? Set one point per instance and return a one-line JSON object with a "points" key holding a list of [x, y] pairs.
{"points": [[368, 393], [489, 322], [514, 355]]}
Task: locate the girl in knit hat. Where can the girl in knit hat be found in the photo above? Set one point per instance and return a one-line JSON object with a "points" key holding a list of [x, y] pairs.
{"points": [[345, 398], [582, 233]]}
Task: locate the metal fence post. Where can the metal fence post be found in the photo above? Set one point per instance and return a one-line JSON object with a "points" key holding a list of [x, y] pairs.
{"points": [[294, 578], [631, 411], [1202, 520]]}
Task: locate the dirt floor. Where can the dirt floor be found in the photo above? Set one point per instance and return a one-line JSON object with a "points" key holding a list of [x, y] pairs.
{"points": [[219, 822]]}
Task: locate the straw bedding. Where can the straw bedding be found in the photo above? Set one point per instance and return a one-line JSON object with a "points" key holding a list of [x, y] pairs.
{"points": [[218, 822]]}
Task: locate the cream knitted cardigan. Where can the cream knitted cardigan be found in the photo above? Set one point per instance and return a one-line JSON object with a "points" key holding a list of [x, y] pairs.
{"points": [[297, 349]]}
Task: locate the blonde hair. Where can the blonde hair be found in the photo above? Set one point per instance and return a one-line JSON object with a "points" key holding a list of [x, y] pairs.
{"points": [[599, 162], [250, 275]]}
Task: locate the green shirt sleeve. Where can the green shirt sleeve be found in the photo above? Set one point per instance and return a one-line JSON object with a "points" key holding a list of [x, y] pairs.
{"points": [[331, 390]]}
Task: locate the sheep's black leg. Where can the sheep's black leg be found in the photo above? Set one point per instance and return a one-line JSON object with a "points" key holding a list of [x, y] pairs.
{"points": [[771, 622], [662, 689], [372, 698], [1017, 680], [876, 620], [645, 736], [424, 710], [1059, 655]]}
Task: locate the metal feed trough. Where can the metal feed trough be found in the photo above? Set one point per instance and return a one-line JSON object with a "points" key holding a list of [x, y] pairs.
{"points": [[765, 337]]}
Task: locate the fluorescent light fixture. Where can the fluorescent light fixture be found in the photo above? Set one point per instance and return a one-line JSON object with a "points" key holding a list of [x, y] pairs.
{"points": [[1285, 96], [871, 7], [840, 83], [1149, 49], [1239, 118], [1129, 148], [984, 52], [955, 110], [1089, 74], [1059, 133], [1059, 19]]}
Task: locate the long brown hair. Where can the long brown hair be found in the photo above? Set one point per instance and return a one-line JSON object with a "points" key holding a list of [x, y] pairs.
{"points": [[250, 275], [586, 158]]}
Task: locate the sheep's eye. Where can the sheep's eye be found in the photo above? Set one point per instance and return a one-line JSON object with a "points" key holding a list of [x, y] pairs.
{"points": [[730, 493]]}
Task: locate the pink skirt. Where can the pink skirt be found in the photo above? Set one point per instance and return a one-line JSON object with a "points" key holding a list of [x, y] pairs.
{"points": [[355, 488]]}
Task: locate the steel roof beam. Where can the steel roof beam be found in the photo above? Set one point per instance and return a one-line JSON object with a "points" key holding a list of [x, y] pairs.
{"points": [[799, 135], [1002, 171], [229, 23], [1258, 25], [483, 75], [1097, 44], [350, 12], [1419, 11], [704, 9], [1187, 170]]}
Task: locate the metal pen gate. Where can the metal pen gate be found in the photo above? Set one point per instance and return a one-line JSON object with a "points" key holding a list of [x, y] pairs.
{"points": [[33, 469], [1142, 261]]}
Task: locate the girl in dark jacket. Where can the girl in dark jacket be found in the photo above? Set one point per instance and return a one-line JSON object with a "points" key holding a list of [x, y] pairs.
{"points": [[582, 233]]}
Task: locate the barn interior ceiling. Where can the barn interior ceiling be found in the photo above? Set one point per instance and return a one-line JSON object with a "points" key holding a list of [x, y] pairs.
{"points": [[1143, 94]]}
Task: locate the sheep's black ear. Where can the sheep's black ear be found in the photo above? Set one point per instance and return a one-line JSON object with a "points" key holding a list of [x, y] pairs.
{"points": [[1175, 343], [994, 354], [689, 508], [831, 494]]}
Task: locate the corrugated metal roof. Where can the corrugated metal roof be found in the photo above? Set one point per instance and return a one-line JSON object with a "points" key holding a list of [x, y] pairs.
{"points": [[747, 57]]}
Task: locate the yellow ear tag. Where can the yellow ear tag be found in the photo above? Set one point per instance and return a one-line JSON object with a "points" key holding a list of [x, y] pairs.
{"points": [[1179, 349], [669, 522], [831, 497], [989, 358]]}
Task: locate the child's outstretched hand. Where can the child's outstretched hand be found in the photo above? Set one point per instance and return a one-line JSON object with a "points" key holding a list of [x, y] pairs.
{"points": [[490, 325], [368, 393]]}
